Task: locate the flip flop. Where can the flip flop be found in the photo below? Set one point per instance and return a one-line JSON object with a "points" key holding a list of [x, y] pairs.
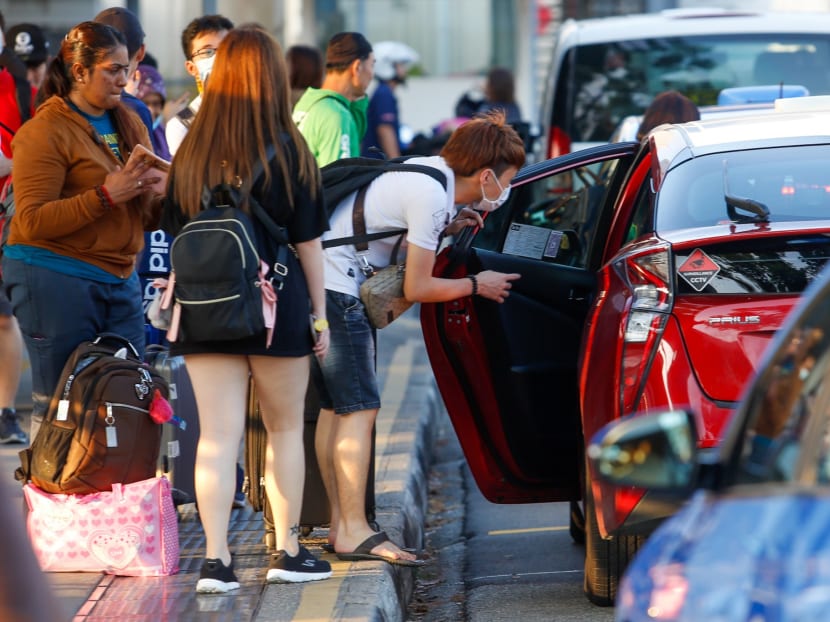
{"points": [[329, 548], [363, 552]]}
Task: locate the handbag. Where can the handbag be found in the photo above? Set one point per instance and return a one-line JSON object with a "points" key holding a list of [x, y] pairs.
{"points": [[381, 293], [129, 531]]}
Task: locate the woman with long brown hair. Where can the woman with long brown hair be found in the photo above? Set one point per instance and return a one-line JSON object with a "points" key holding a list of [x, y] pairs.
{"points": [[81, 209], [245, 110]]}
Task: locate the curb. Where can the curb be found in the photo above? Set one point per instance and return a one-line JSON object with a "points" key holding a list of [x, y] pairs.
{"points": [[377, 591]]}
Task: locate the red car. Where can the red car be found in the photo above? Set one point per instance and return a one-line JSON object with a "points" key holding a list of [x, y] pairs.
{"points": [[654, 281]]}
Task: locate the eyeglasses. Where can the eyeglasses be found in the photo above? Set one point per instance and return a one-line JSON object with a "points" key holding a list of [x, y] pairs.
{"points": [[203, 53]]}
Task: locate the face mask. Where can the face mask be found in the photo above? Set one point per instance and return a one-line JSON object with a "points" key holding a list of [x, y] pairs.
{"points": [[204, 65], [490, 205]]}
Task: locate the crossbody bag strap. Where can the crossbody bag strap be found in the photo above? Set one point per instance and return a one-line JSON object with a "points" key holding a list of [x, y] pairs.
{"points": [[277, 232], [359, 226]]}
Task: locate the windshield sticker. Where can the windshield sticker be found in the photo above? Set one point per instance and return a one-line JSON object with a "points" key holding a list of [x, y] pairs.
{"points": [[698, 269], [531, 241]]}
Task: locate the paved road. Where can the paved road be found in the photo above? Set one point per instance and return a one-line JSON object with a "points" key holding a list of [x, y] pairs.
{"points": [[496, 563]]}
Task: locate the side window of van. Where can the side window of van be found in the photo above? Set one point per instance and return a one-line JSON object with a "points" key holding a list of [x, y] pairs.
{"points": [[597, 86]]}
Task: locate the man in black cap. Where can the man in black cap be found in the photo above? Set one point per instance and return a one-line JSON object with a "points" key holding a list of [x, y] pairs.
{"points": [[29, 44], [126, 22], [333, 118]]}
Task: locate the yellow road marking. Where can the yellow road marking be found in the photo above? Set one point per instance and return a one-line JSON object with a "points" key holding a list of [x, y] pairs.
{"points": [[318, 600], [510, 532]]}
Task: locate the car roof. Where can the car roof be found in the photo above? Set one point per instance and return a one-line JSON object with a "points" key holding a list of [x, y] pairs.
{"points": [[676, 143], [679, 22], [627, 129]]}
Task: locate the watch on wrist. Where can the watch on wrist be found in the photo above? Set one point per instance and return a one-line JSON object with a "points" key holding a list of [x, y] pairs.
{"points": [[321, 324]]}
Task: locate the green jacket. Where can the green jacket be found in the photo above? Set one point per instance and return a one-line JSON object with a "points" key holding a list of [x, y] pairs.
{"points": [[332, 125]]}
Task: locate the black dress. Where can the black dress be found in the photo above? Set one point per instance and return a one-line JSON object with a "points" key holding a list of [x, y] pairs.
{"points": [[307, 220]]}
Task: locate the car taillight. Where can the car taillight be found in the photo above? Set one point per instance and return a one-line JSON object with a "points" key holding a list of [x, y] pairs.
{"points": [[559, 143], [646, 275]]}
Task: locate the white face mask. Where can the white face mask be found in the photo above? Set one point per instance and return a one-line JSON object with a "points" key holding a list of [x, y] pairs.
{"points": [[490, 205], [204, 65]]}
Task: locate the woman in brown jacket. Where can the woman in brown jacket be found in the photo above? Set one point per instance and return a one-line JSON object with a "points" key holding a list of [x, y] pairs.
{"points": [[81, 209]]}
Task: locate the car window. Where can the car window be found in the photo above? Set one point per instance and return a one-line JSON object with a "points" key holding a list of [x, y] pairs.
{"points": [[791, 182], [642, 216], [788, 436], [601, 84], [553, 218]]}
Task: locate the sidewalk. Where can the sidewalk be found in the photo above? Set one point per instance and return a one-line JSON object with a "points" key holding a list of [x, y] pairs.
{"points": [[356, 591]]}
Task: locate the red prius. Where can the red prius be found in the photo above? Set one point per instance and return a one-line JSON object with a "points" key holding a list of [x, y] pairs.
{"points": [[653, 277]]}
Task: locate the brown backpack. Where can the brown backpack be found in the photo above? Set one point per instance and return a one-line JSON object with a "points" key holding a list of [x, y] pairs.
{"points": [[98, 429]]}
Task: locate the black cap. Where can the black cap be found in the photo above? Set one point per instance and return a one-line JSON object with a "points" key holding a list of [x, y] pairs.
{"points": [[125, 22], [29, 43]]}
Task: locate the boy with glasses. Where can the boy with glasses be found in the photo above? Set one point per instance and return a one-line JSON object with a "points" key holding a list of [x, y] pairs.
{"points": [[200, 39]]}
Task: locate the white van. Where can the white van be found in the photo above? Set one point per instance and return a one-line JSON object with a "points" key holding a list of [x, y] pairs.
{"points": [[606, 69]]}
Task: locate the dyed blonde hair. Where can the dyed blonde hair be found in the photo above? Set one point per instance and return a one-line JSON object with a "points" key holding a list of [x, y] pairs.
{"points": [[486, 141]]}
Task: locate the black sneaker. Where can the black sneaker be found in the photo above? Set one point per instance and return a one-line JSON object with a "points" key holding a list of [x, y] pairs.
{"points": [[303, 567], [10, 431], [216, 578]]}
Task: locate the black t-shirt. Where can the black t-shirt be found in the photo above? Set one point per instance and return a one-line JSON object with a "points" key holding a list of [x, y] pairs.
{"points": [[307, 220]]}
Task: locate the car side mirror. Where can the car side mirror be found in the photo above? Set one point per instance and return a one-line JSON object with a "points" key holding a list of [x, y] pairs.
{"points": [[656, 451]]}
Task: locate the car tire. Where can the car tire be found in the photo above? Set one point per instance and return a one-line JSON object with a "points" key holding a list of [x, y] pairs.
{"points": [[605, 559]]}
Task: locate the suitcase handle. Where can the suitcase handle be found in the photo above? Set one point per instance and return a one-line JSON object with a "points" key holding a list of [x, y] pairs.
{"points": [[117, 339]]}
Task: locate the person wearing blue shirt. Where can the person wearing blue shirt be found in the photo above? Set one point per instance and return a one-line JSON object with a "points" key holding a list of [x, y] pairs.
{"points": [[126, 22], [382, 138]]}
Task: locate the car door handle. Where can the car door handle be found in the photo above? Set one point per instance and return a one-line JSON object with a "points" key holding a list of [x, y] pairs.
{"points": [[577, 296]]}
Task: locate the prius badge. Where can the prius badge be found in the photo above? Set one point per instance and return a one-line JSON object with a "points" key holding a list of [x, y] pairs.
{"points": [[734, 320]]}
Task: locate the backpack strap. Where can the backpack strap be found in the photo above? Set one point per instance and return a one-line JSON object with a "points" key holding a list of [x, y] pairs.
{"points": [[362, 247], [277, 232], [360, 238], [186, 116]]}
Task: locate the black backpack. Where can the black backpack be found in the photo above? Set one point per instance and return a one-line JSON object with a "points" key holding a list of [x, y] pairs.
{"points": [[217, 267], [343, 177]]}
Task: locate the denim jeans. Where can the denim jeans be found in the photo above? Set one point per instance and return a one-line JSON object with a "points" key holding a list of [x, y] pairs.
{"points": [[57, 312], [346, 379]]}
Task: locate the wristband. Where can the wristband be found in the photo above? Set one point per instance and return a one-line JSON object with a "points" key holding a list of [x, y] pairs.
{"points": [[321, 324], [474, 281], [104, 197]]}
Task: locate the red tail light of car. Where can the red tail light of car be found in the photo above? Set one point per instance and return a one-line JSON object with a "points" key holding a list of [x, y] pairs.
{"points": [[559, 143], [647, 277]]}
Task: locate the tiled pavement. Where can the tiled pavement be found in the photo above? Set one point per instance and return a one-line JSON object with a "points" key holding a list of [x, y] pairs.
{"points": [[360, 591]]}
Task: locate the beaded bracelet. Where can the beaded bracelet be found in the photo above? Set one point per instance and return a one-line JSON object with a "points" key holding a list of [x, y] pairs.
{"points": [[104, 197], [474, 281]]}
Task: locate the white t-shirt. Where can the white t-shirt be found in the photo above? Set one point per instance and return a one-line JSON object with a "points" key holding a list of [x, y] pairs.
{"points": [[394, 200], [176, 130]]}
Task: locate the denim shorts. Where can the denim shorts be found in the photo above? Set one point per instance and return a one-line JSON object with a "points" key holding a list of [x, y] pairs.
{"points": [[346, 379], [5, 303]]}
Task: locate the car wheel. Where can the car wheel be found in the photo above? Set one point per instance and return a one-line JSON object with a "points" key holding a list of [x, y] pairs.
{"points": [[605, 560]]}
